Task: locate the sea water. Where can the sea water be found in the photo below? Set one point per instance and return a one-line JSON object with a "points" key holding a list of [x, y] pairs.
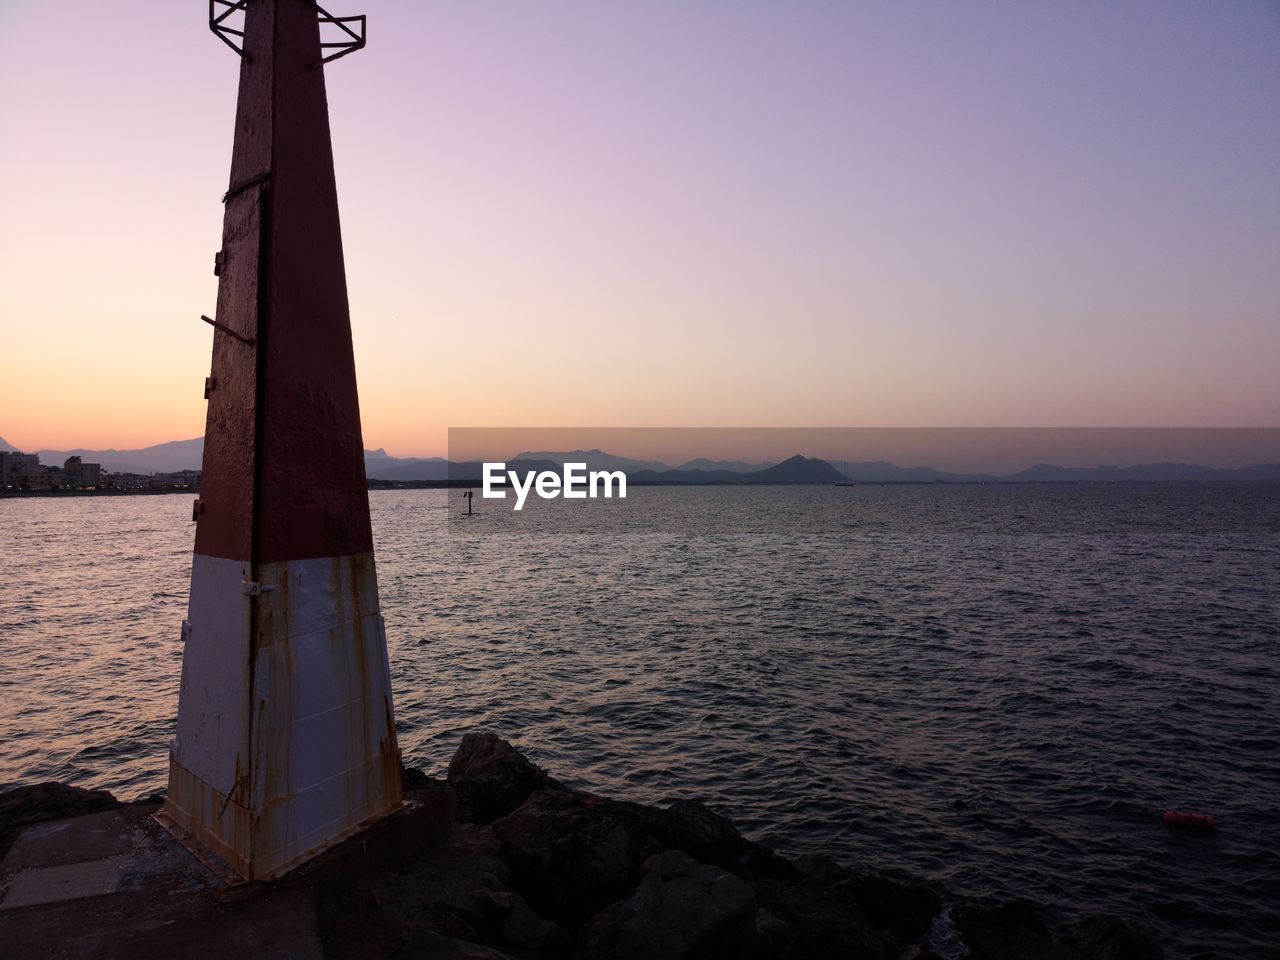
{"points": [[994, 687]]}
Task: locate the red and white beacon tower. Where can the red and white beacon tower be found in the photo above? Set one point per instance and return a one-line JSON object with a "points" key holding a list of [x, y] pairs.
{"points": [[285, 740]]}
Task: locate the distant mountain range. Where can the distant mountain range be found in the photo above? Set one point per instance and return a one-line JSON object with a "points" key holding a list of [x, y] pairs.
{"points": [[599, 460], [595, 460], [732, 466], [797, 469], [161, 458], [1043, 472], [379, 465]]}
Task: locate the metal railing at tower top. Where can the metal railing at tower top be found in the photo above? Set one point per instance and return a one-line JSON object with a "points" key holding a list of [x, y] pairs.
{"points": [[350, 35]]}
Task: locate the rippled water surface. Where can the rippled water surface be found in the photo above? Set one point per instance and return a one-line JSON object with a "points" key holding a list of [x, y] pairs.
{"points": [[832, 667]]}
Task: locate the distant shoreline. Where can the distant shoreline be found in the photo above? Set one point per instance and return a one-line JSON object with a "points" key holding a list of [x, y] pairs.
{"points": [[383, 485], [25, 494]]}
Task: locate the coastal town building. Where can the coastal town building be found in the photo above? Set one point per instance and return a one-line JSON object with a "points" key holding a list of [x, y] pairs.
{"points": [[15, 464], [24, 472], [46, 478], [176, 480], [81, 476], [126, 481]]}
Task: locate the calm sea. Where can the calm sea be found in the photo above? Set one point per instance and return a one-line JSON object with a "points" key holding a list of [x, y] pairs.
{"points": [[832, 667]]}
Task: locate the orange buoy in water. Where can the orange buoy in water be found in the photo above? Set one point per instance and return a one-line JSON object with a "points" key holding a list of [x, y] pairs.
{"points": [[1179, 818]]}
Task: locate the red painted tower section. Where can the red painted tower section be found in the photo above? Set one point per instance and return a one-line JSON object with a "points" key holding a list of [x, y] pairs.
{"points": [[285, 740]]}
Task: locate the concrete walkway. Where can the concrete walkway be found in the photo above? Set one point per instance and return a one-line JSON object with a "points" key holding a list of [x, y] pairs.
{"points": [[116, 884]]}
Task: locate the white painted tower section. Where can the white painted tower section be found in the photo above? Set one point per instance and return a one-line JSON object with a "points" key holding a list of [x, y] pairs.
{"points": [[313, 758]]}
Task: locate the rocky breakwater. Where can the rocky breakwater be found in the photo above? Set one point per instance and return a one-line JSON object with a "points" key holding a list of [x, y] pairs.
{"points": [[610, 879], [528, 868]]}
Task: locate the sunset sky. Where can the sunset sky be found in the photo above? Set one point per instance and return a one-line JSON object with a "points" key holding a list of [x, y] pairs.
{"points": [[728, 213]]}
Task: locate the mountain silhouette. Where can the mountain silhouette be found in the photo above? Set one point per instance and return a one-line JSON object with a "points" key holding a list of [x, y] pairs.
{"points": [[731, 466], [1148, 472], [882, 471], [380, 465], [595, 460], [797, 469], [160, 458]]}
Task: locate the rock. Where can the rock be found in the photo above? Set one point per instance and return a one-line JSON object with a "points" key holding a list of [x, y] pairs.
{"points": [[458, 890], [914, 951], [1112, 938], [760, 862], [995, 943], [490, 778], [433, 946], [572, 854], [904, 909], [353, 925], [1014, 915], [1012, 931], [24, 806], [412, 778], [771, 936], [680, 911], [704, 834], [821, 869], [524, 928], [821, 924]]}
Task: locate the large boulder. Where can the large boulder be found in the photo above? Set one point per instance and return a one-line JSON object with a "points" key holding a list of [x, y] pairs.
{"points": [[432, 946], [1112, 938], [821, 869], [906, 910], [39, 802], [413, 779], [703, 834], [1011, 931], [1015, 915], [682, 910], [759, 862], [820, 924], [490, 778], [457, 889], [571, 854]]}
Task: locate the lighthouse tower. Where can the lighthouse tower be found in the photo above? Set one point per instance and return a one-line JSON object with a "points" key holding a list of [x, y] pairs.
{"points": [[285, 740]]}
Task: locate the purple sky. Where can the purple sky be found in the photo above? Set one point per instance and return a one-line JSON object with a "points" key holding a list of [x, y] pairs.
{"points": [[722, 213]]}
